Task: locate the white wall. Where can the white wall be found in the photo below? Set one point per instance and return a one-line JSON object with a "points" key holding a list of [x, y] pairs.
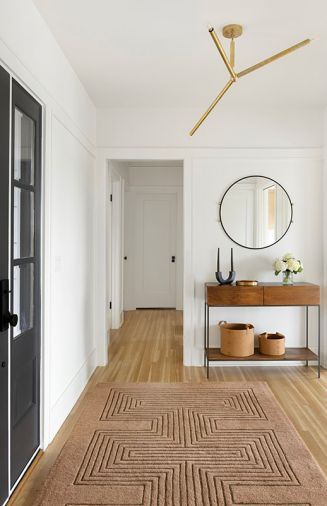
{"points": [[72, 340], [29, 51], [302, 178], [224, 127], [155, 174], [283, 144], [120, 168]]}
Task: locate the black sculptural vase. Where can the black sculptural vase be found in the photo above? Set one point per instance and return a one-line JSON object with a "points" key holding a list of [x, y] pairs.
{"points": [[232, 274]]}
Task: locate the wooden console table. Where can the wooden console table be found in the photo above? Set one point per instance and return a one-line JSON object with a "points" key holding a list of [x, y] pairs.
{"points": [[262, 295]]}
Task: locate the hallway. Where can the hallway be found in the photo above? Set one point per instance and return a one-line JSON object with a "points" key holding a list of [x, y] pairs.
{"points": [[148, 348]]}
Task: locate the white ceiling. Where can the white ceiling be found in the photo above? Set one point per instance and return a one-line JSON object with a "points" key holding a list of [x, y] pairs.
{"points": [[151, 53]]}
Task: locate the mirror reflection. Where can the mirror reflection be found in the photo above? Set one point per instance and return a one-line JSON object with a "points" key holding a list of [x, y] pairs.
{"points": [[256, 212]]}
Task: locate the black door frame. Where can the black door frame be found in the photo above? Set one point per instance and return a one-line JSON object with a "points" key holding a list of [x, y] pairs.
{"points": [[6, 159]]}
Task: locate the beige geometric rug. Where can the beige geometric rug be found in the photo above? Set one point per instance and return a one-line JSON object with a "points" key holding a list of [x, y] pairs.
{"points": [[184, 444]]}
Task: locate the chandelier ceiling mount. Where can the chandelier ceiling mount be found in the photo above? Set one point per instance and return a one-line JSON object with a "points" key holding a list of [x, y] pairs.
{"points": [[232, 31]]}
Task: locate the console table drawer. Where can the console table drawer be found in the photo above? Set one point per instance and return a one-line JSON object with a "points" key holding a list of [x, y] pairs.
{"points": [[294, 295], [234, 295]]}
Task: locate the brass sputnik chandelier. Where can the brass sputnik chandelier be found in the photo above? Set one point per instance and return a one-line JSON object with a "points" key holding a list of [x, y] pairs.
{"points": [[232, 32]]}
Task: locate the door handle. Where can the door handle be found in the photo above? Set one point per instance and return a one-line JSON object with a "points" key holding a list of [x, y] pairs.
{"points": [[4, 304], [6, 318], [12, 319], [173, 259]]}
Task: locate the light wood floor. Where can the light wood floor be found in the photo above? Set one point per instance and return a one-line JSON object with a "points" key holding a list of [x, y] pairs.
{"points": [[148, 348]]}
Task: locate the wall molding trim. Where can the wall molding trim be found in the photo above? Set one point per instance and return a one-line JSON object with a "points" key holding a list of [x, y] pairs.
{"points": [[63, 405], [180, 152], [71, 128]]}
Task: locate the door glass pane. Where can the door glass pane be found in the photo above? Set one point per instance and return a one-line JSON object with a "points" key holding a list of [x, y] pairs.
{"points": [[24, 148], [23, 223], [23, 297]]}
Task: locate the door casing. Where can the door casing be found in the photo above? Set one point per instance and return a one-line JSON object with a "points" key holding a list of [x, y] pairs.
{"points": [[5, 105]]}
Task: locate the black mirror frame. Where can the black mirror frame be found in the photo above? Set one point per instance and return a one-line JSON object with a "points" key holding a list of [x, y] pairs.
{"points": [[222, 200]]}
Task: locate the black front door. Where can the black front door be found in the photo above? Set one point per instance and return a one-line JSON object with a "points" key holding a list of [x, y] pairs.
{"points": [[25, 278], [4, 276], [20, 191]]}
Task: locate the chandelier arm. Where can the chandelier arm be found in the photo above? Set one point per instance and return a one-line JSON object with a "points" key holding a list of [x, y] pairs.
{"points": [[214, 103], [232, 52], [222, 53], [273, 58]]}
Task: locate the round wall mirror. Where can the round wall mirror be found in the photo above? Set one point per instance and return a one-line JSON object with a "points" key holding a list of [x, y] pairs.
{"points": [[256, 212]]}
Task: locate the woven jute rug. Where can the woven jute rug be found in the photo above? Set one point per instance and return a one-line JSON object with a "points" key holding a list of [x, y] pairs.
{"points": [[184, 444]]}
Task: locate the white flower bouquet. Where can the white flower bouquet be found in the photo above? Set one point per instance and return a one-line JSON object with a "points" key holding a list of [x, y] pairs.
{"points": [[288, 265]]}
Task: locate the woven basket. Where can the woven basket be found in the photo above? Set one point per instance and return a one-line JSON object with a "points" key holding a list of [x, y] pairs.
{"points": [[236, 339], [272, 344]]}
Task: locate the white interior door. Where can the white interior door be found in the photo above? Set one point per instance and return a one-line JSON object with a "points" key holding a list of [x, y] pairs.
{"points": [[156, 217]]}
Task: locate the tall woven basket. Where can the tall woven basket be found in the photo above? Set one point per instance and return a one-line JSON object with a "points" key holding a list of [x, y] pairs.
{"points": [[236, 339]]}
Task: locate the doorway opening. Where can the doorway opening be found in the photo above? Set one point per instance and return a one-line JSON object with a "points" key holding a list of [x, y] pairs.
{"points": [[144, 237]]}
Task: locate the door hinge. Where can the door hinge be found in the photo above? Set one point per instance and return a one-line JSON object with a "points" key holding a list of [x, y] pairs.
{"points": [[110, 305], [110, 197]]}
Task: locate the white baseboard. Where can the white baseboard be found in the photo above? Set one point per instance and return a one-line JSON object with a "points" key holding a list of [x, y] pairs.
{"points": [[63, 406]]}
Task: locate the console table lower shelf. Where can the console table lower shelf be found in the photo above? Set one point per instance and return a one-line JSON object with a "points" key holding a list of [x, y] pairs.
{"points": [[215, 355]]}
